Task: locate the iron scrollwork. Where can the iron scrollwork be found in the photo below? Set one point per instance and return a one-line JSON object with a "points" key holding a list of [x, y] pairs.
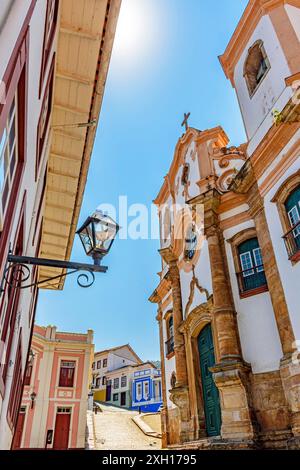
{"points": [[18, 272]]}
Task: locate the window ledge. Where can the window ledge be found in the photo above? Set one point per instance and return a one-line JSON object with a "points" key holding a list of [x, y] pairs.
{"points": [[252, 292], [295, 258], [170, 355]]}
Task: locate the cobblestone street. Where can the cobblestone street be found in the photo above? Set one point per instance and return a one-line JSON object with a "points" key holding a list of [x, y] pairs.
{"points": [[115, 430]]}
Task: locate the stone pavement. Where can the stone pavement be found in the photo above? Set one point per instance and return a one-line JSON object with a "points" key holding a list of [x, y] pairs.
{"points": [[115, 430]]}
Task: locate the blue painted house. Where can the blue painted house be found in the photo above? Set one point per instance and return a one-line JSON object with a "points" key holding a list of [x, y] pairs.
{"points": [[146, 388]]}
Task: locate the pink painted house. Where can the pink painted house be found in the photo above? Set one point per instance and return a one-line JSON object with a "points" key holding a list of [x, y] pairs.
{"points": [[55, 398]]}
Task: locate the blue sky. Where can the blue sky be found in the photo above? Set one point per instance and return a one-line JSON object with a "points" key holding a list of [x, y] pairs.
{"points": [[164, 63]]}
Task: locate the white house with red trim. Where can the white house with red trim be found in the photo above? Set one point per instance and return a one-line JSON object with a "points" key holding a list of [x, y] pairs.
{"points": [[55, 399], [54, 58]]}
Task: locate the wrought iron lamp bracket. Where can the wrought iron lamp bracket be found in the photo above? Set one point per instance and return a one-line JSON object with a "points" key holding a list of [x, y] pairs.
{"points": [[17, 271]]}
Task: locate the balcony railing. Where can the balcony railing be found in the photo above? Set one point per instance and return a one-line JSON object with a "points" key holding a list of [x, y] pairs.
{"points": [[253, 279], [169, 346], [292, 241]]}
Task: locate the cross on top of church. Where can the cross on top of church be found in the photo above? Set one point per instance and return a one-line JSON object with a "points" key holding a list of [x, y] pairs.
{"points": [[185, 121]]}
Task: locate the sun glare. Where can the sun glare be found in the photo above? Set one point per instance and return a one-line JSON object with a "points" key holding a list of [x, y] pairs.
{"points": [[135, 31]]}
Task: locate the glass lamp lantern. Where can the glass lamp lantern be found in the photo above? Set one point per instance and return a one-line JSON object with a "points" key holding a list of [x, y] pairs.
{"points": [[97, 235]]}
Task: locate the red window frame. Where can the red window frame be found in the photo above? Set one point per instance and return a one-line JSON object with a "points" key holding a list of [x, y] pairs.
{"points": [[16, 387], [28, 374], [66, 375], [38, 214], [10, 304], [49, 33], [44, 119], [16, 80]]}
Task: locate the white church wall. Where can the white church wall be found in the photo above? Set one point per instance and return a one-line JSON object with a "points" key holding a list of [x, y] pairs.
{"points": [[259, 336], [203, 276], [257, 110]]}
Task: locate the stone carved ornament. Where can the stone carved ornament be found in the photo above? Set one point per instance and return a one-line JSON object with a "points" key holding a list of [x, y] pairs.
{"points": [[222, 157], [194, 283]]}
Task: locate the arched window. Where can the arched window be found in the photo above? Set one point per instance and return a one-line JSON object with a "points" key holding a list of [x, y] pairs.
{"points": [[170, 335], [252, 275], [171, 326], [166, 224], [292, 207], [256, 66]]}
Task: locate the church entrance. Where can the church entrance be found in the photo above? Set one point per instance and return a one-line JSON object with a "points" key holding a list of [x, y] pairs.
{"points": [[211, 399]]}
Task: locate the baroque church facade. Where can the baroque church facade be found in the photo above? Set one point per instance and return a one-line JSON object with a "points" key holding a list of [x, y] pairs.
{"points": [[228, 309]]}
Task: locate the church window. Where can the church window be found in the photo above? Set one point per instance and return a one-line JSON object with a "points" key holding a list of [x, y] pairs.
{"points": [[170, 333], [256, 67], [190, 243], [292, 207], [252, 275], [185, 174], [166, 224], [287, 199]]}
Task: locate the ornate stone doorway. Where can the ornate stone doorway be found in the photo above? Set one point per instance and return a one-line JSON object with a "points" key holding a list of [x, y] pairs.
{"points": [[211, 400]]}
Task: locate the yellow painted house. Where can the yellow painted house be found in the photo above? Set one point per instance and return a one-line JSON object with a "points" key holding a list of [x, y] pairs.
{"points": [[107, 361]]}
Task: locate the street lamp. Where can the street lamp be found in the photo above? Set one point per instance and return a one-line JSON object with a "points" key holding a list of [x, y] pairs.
{"points": [[32, 398], [97, 235], [31, 357]]}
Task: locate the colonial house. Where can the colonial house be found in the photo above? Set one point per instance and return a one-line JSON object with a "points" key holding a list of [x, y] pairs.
{"points": [[54, 57], [228, 307], [106, 362], [146, 389], [55, 398], [119, 384]]}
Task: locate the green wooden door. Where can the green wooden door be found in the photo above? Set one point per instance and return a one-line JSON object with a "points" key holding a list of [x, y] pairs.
{"points": [[210, 392]]}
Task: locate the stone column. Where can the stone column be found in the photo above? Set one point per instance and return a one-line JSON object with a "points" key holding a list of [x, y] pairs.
{"points": [[164, 412], [225, 324], [230, 373], [179, 394]]}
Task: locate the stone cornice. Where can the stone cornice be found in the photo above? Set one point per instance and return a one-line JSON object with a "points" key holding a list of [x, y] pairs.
{"points": [[168, 255]]}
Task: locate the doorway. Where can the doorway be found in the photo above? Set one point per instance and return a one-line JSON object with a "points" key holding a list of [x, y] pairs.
{"points": [[62, 429], [19, 429], [211, 398], [123, 398]]}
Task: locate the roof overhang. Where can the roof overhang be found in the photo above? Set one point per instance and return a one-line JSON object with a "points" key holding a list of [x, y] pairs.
{"points": [[86, 34]]}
